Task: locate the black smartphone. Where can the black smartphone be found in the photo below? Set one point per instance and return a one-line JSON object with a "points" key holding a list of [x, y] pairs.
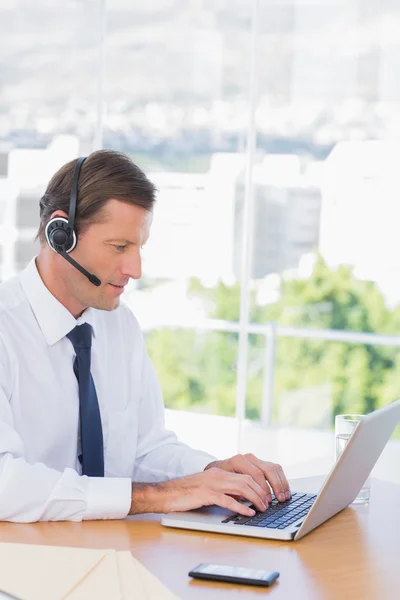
{"points": [[233, 574]]}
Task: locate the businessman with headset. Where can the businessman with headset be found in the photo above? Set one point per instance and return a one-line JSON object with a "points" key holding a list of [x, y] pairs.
{"points": [[82, 431]]}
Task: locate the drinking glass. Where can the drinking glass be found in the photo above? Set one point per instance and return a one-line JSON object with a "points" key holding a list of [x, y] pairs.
{"points": [[344, 427]]}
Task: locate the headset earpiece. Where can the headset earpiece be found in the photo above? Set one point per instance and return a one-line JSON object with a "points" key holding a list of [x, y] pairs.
{"points": [[59, 235]]}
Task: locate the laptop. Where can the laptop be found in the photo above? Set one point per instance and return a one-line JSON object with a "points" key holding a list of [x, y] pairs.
{"points": [[293, 519]]}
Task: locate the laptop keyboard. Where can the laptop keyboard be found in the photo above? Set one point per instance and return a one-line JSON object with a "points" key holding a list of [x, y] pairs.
{"points": [[278, 515]]}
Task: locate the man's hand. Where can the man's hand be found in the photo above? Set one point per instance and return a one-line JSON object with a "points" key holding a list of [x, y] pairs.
{"points": [[213, 486], [267, 475]]}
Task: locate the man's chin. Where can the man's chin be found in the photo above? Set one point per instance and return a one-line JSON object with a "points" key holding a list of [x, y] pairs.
{"points": [[107, 305]]}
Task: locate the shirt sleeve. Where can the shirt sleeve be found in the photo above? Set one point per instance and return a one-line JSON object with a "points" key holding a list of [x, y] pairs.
{"points": [[160, 455], [35, 492]]}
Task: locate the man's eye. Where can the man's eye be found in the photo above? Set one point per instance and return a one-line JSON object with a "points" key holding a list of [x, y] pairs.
{"points": [[120, 248]]}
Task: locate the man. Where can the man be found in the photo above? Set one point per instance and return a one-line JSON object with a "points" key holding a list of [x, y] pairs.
{"points": [[81, 412]]}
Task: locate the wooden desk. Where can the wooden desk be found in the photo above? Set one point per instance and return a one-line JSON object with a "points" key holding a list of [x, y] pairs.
{"points": [[355, 555]]}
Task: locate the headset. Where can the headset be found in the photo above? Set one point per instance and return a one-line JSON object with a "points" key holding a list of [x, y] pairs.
{"points": [[60, 233]]}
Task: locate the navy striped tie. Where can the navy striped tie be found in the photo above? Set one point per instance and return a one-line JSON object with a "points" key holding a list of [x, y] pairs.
{"points": [[89, 412]]}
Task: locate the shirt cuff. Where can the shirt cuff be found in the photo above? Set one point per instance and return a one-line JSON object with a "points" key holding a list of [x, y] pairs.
{"points": [[108, 498]]}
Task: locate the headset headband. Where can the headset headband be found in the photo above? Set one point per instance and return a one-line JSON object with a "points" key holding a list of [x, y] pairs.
{"points": [[74, 193]]}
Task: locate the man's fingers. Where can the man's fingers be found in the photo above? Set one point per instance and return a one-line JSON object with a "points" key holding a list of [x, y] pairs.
{"points": [[243, 465], [281, 491], [236, 484], [238, 497], [284, 481], [275, 476], [262, 477], [277, 484], [244, 485], [232, 504]]}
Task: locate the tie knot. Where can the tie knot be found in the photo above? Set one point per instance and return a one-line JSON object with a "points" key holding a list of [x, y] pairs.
{"points": [[81, 336]]}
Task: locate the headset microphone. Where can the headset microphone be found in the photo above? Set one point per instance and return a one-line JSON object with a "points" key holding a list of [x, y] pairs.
{"points": [[92, 278], [60, 232]]}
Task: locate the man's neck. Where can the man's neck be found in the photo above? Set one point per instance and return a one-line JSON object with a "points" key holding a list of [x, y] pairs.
{"points": [[56, 285]]}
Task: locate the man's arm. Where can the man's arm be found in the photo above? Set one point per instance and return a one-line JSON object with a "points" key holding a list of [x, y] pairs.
{"points": [[188, 478], [160, 455], [35, 492], [214, 486]]}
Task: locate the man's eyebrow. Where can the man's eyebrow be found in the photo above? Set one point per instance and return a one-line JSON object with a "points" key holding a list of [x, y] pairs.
{"points": [[124, 241], [119, 241]]}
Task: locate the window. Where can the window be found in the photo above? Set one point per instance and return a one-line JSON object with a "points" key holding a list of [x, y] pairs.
{"points": [[271, 131]]}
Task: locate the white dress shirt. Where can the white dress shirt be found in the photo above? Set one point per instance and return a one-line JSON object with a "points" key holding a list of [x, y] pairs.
{"points": [[40, 474]]}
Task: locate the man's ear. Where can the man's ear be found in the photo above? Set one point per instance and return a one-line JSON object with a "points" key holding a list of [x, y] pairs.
{"points": [[58, 213]]}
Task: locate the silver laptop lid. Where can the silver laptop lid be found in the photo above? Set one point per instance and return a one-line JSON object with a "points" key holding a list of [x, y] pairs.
{"points": [[356, 462]]}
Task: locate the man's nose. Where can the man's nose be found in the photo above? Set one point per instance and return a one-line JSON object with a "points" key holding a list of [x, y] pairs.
{"points": [[132, 267]]}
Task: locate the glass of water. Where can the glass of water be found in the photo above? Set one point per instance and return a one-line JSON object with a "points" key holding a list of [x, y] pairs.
{"points": [[344, 427]]}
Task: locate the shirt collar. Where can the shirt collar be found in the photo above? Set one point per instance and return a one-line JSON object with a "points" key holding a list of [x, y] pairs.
{"points": [[53, 318]]}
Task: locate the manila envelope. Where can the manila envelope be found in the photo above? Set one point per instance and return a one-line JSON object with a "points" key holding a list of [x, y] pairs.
{"points": [[134, 576], [31, 572]]}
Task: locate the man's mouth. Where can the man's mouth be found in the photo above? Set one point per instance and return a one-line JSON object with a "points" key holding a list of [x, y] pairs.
{"points": [[119, 287]]}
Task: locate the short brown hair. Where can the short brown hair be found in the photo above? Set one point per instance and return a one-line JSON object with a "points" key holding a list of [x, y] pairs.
{"points": [[104, 174]]}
